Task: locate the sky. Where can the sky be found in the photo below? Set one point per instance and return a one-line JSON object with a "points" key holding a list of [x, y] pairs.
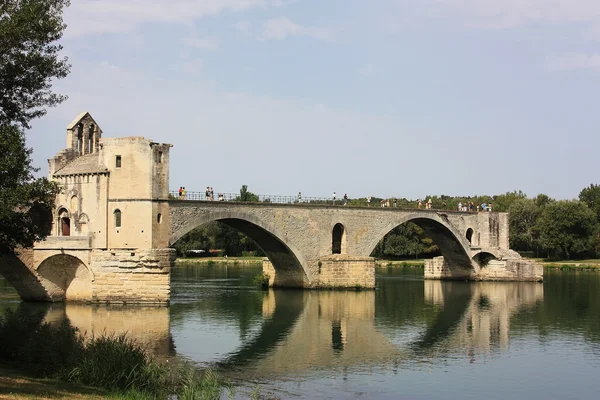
{"points": [[370, 98]]}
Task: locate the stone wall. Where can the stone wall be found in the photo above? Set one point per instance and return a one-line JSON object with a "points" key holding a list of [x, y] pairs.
{"points": [[136, 276], [494, 270], [343, 271], [335, 271]]}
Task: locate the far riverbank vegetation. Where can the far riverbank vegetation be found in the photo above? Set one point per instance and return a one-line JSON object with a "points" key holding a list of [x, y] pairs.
{"points": [[540, 227]]}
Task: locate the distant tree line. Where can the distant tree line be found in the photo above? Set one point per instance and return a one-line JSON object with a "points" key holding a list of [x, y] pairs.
{"points": [[540, 226]]}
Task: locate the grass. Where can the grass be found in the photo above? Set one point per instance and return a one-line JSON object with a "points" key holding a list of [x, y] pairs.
{"points": [[590, 264], [56, 359], [13, 385], [417, 263], [220, 260]]}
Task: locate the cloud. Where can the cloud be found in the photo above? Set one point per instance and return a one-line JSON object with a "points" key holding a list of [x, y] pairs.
{"points": [[281, 27], [242, 26], [366, 70], [495, 14], [573, 61], [198, 43], [87, 17], [192, 67]]}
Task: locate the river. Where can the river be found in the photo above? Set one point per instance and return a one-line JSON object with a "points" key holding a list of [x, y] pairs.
{"points": [[410, 338]]}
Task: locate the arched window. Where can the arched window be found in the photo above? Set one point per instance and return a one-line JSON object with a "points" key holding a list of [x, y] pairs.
{"points": [[159, 218], [469, 234], [74, 205], [117, 218], [337, 237], [80, 139], [90, 146]]}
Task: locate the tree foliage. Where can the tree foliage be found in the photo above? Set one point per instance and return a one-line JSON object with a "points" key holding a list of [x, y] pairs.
{"points": [[29, 58], [522, 217], [591, 196], [25, 203], [215, 235], [567, 229], [246, 195]]}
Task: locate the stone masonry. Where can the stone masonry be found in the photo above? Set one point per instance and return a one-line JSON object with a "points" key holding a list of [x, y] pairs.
{"points": [[114, 222]]}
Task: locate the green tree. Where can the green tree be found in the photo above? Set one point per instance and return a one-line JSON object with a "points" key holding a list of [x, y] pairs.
{"points": [[503, 202], [406, 240], [567, 229], [25, 204], [246, 195], [29, 60], [591, 196], [523, 216]]}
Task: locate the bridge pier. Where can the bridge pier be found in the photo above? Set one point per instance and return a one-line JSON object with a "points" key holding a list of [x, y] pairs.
{"points": [[511, 269], [335, 271]]}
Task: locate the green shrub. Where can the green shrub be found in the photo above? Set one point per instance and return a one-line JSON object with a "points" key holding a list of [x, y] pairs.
{"points": [[113, 362], [118, 363], [261, 280]]}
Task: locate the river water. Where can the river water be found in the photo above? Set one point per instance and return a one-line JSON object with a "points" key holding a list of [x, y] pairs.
{"points": [[409, 339]]}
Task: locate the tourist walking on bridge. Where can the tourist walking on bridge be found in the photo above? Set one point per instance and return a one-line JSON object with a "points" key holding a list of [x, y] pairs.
{"points": [[345, 199], [299, 197], [333, 198]]}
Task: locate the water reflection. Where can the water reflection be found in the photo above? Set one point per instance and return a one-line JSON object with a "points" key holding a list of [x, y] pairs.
{"points": [[149, 326], [328, 330], [406, 327], [475, 318]]}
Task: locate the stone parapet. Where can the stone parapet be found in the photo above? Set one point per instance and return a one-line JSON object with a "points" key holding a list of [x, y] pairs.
{"points": [[64, 242]]}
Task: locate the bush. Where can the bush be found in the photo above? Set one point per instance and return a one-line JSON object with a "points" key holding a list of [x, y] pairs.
{"points": [[116, 362], [113, 362], [261, 280], [37, 347]]}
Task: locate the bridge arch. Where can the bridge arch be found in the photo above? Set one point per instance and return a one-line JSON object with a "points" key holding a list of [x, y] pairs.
{"points": [[455, 247], [66, 277], [287, 261], [338, 239], [469, 235]]}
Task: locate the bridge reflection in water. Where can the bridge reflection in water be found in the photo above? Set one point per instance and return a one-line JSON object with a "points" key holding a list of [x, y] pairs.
{"points": [[340, 330], [329, 330], [149, 326]]}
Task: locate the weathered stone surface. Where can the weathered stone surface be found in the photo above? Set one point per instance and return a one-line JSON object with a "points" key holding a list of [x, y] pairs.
{"points": [[114, 222], [511, 269]]}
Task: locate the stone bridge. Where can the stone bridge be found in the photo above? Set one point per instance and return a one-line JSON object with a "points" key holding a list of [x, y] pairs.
{"points": [[111, 232], [315, 246]]}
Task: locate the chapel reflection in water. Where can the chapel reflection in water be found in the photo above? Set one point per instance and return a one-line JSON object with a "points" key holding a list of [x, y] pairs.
{"points": [[148, 326]]}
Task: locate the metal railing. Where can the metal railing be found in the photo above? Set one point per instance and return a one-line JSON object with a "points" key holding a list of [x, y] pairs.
{"points": [[262, 198], [277, 199]]}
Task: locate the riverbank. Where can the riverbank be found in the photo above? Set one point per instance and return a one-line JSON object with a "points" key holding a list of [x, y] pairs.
{"points": [[16, 385], [592, 264], [417, 263], [220, 260]]}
